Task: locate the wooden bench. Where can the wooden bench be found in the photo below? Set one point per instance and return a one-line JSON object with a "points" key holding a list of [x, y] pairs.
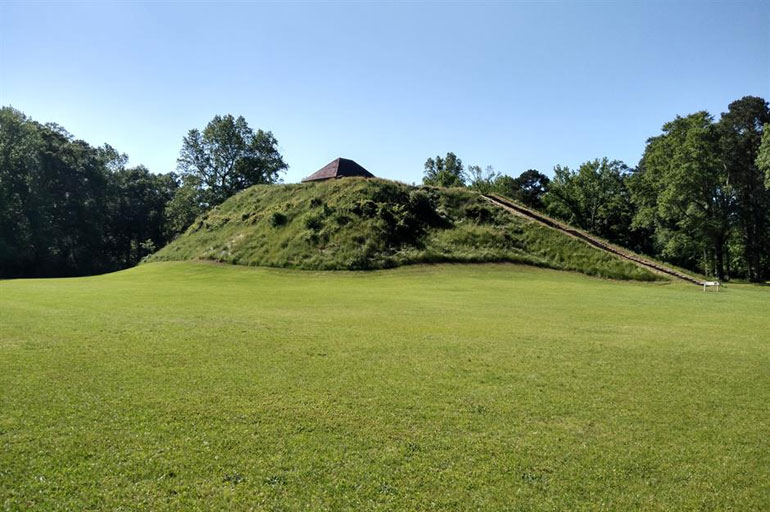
{"points": [[710, 283]]}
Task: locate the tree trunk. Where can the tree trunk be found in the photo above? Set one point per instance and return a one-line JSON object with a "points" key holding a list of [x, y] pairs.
{"points": [[719, 259], [757, 252]]}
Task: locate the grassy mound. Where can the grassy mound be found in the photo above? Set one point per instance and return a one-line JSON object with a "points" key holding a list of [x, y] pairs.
{"points": [[369, 224]]}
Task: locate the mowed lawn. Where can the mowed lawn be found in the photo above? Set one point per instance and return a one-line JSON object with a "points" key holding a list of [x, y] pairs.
{"points": [[183, 386]]}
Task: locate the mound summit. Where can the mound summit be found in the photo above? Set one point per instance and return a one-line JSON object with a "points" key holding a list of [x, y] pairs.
{"points": [[339, 168], [371, 223]]}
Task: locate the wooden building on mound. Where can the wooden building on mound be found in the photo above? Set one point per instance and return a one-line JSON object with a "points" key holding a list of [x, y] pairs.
{"points": [[339, 168]]}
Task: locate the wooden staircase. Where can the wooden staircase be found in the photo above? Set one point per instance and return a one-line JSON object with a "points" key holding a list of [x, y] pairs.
{"points": [[568, 230]]}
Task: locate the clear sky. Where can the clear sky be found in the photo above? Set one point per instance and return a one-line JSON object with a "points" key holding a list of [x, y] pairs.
{"points": [[515, 85]]}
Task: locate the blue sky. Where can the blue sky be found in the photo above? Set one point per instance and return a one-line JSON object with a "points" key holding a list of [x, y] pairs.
{"points": [[514, 85]]}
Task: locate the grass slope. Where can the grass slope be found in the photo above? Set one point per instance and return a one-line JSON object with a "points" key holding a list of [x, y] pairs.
{"points": [[369, 224], [182, 386]]}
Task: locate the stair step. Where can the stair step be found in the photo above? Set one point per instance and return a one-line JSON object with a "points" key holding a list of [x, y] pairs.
{"points": [[507, 205]]}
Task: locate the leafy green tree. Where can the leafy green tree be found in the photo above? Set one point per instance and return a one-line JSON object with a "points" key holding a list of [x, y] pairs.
{"points": [[740, 132], [113, 159], [682, 192], [594, 197], [505, 185], [444, 172], [53, 189], [528, 188], [227, 157], [482, 180], [187, 204], [137, 213], [763, 155], [533, 186], [67, 208], [763, 164], [20, 145]]}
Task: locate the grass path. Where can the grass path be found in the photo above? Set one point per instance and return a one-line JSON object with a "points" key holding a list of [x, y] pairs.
{"points": [[180, 386]]}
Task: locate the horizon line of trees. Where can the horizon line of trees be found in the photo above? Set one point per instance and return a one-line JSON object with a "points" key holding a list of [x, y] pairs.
{"points": [[699, 197], [68, 208]]}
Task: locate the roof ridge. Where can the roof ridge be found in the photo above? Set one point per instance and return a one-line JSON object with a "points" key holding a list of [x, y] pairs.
{"points": [[338, 168]]}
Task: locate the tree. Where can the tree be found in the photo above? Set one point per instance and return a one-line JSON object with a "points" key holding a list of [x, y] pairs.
{"points": [[187, 204], [444, 172], [528, 188], [20, 146], [506, 185], [763, 155], [533, 186], [741, 132], [53, 190], [763, 164], [482, 181], [227, 157], [67, 208], [113, 159], [594, 197], [137, 213], [682, 192]]}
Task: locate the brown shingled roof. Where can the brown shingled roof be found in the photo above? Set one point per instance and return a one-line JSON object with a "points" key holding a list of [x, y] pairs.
{"points": [[339, 168]]}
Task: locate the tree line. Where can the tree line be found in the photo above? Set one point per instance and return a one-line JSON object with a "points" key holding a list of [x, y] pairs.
{"points": [[68, 208], [699, 197]]}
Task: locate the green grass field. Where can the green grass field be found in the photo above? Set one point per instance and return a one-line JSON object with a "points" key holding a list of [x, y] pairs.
{"points": [[183, 386]]}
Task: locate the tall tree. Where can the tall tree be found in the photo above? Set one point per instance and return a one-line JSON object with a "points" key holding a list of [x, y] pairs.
{"points": [[67, 208], [53, 189], [763, 155], [682, 192], [137, 218], [20, 146], [533, 186], [741, 130], [444, 172], [228, 156], [594, 197], [528, 188], [506, 185], [187, 204], [482, 180], [763, 164]]}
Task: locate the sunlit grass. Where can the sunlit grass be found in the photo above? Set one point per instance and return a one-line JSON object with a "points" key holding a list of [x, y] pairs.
{"points": [[494, 387]]}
